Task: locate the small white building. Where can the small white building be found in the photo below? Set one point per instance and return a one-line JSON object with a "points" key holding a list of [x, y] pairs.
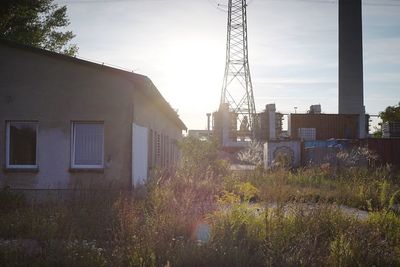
{"points": [[66, 122]]}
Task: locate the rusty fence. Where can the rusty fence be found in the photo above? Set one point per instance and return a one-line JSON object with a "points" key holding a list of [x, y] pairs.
{"points": [[387, 149]]}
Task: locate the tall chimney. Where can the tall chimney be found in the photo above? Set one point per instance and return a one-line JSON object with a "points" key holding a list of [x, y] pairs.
{"points": [[351, 84], [351, 97]]}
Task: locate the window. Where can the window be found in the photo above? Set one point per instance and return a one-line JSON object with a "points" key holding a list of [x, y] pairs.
{"points": [[87, 145], [158, 148], [167, 151], [21, 144], [162, 152], [150, 149]]}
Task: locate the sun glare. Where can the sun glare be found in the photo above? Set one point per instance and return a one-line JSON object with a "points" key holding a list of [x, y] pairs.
{"points": [[195, 71]]}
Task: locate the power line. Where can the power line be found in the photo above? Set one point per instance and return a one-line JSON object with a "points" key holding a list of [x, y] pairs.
{"points": [[378, 3], [219, 5]]}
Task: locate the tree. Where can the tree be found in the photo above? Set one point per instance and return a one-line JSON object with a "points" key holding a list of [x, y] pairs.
{"points": [[391, 114], [38, 23], [377, 132]]}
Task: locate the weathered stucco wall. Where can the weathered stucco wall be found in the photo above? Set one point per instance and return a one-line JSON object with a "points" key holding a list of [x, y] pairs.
{"points": [[56, 91]]}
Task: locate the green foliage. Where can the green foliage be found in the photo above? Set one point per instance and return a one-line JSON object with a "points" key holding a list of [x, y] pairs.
{"points": [[200, 157], [197, 154], [340, 252], [394, 202], [37, 23], [377, 133], [204, 215], [374, 242], [238, 232], [301, 236], [246, 191], [51, 253], [79, 253], [391, 114], [362, 188], [324, 236]]}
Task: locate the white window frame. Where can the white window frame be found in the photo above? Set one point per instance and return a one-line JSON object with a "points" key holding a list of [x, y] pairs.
{"points": [[10, 166], [78, 166]]}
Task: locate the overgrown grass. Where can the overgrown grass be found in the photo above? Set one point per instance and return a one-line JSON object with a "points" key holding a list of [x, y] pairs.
{"points": [[202, 214], [362, 188]]}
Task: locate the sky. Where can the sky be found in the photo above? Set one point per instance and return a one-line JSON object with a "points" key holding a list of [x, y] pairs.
{"points": [[293, 51]]}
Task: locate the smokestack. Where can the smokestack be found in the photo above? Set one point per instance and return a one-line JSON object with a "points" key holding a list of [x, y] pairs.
{"points": [[351, 81], [351, 96]]}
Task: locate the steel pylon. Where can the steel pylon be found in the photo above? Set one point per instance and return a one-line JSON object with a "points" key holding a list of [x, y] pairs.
{"points": [[237, 89]]}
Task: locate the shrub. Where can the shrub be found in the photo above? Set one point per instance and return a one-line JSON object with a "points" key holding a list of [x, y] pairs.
{"points": [[299, 235], [51, 253], [201, 214], [238, 231]]}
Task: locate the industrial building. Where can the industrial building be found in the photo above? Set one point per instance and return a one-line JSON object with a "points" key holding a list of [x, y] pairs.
{"points": [[67, 123], [236, 122], [323, 126], [391, 130]]}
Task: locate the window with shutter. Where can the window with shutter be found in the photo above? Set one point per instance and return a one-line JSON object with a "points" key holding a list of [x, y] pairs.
{"points": [[87, 144]]}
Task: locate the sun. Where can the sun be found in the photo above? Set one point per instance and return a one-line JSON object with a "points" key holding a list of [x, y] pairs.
{"points": [[194, 69]]}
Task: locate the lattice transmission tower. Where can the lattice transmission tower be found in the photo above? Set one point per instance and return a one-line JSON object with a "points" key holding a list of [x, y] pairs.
{"points": [[237, 89]]}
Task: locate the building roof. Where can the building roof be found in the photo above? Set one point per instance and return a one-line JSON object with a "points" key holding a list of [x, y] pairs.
{"points": [[145, 84]]}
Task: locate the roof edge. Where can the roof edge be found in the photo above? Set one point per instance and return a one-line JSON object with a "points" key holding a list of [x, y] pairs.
{"points": [[172, 114]]}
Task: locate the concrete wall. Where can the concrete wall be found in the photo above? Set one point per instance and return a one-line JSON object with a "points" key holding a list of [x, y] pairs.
{"points": [[55, 91], [278, 153]]}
